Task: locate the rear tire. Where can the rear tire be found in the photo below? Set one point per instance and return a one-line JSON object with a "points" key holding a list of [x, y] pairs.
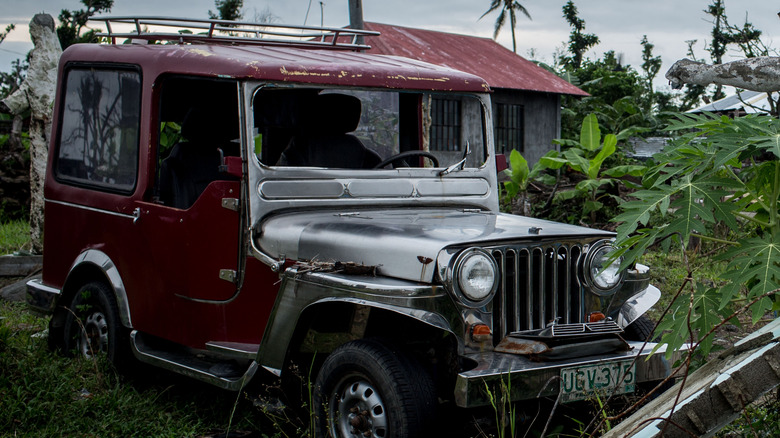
{"points": [[368, 388], [92, 326]]}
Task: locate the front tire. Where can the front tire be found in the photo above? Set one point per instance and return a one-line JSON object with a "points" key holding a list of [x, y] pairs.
{"points": [[640, 330], [92, 324], [366, 388]]}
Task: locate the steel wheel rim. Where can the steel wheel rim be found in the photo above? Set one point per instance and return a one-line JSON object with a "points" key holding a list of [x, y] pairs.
{"points": [[94, 336], [356, 408]]}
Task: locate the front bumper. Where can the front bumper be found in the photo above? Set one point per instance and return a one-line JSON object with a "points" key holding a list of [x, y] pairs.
{"points": [[530, 380], [41, 298]]}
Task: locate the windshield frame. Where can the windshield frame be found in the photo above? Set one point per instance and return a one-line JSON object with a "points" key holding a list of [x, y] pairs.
{"points": [[337, 188]]}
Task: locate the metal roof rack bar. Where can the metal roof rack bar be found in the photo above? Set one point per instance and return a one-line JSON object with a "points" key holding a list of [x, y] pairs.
{"points": [[193, 30]]}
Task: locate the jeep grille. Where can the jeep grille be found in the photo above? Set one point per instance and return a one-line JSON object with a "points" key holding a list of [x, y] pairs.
{"points": [[539, 284]]}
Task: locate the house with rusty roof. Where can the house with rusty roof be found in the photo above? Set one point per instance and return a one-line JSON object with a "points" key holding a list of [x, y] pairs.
{"points": [[526, 97]]}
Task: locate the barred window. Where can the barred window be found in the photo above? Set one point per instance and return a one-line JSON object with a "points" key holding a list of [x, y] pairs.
{"points": [[508, 125], [445, 125]]}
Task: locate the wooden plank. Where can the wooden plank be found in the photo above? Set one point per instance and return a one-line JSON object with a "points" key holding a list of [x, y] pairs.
{"points": [[715, 394], [20, 266]]}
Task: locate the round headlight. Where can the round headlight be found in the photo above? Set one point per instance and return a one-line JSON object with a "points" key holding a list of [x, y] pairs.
{"points": [[603, 273], [476, 274]]}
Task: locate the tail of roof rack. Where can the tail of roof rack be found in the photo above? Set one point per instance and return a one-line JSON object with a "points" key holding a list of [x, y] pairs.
{"points": [[212, 31]]}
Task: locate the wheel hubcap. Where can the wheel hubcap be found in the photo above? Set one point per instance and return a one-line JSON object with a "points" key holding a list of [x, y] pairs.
{"points": [[94, 337], [359, 411]]}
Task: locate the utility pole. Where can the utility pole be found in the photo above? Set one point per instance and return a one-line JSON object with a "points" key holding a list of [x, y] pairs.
{"points": [[356, 17]]}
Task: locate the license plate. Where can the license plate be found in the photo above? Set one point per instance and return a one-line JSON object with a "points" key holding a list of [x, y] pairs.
{"points": [[582, 382]]}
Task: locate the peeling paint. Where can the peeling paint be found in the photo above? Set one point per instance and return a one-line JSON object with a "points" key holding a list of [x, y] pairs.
{"points": [[415, 78], [283, 70], [200, 52]]}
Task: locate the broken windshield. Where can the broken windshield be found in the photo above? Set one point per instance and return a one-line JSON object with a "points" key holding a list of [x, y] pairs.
{"points": [[362, 129]]}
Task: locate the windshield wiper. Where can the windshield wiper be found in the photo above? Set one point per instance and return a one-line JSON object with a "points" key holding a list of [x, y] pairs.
{"points": [[460, 164]]}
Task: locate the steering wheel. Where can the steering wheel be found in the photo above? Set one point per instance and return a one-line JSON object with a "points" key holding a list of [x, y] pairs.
{"points": [[408, 154]]}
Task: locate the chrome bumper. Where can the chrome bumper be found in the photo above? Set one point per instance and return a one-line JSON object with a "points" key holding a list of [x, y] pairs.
{"points": [[530, 380], [41, 298]]}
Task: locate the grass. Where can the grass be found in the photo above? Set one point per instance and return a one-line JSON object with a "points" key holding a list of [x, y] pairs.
{"points": [[14, 236], [43, 394]]}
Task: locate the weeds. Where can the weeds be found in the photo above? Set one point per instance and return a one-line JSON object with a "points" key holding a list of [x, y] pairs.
{"points": [[43, 394], [14, 236]]}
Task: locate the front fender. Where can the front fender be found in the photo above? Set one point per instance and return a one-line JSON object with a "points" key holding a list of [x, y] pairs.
{"points": [[428, 304]]}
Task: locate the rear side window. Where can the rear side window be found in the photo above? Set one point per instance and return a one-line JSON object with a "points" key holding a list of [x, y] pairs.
{"points": [[98, 143]]}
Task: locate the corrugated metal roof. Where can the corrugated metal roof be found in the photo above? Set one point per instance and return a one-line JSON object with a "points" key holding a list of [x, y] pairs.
{"points": [[499, 66], [747, 100], [278, 63]]}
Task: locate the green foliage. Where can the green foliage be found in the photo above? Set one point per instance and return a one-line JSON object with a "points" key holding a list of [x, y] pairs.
{"points": [[228, 10], [505, 411], [43, 395], [519, 176], [587, 157], [14, 236], [715, 175], [579, 41], [73, 22]]}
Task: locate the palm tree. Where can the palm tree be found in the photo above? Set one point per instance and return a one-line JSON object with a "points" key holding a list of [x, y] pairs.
{"points": [[507, 6]]}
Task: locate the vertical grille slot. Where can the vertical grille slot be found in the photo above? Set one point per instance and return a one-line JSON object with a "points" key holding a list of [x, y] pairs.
{"points": [[538, 284]]}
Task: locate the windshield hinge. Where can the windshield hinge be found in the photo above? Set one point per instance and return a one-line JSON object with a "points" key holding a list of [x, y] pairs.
{"points": [[227, 275], [230, 203]]}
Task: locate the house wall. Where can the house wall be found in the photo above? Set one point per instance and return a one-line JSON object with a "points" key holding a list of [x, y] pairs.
{"points": [[542, 119]]}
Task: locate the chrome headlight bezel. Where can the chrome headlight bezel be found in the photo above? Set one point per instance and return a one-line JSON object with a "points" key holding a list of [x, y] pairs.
{"points": [[600, 280], [467, 262]]}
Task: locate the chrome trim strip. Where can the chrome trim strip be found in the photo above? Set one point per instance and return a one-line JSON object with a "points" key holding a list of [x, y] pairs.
{"points": [[101, 260], [97, 210], [42, 298]]}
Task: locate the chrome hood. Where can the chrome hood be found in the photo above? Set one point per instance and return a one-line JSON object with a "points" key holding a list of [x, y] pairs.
{"points": [[401, 243]]}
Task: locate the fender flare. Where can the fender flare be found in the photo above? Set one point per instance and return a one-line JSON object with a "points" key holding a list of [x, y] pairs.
{"points": [[103, 262], [272, 359]]}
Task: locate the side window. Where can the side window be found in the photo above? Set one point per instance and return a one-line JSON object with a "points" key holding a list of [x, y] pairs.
{"points": [[199, 126], [98, 138]]}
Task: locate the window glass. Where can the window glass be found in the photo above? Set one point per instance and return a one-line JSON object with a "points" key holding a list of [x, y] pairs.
{"points": [[362, 129], [98, 143]]}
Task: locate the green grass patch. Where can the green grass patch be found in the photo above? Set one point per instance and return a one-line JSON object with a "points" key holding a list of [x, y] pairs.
{"points": [[43, 394], [14, 236]]}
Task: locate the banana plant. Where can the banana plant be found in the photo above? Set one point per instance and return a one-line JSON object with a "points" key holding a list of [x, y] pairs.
{"points": [[587, 157]]}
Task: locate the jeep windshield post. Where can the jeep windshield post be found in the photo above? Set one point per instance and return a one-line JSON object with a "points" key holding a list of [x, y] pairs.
{"points": [[296, 207]]}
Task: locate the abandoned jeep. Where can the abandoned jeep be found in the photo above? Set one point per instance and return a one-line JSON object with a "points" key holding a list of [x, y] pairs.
{"points": [[225, 203]]}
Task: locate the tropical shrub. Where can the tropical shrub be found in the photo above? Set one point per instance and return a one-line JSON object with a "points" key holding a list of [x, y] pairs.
{"points": [[723, 172]]}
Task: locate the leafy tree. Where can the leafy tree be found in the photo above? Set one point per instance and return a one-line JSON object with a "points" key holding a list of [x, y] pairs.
{"points": [[73, 22], [579, 42], [228, 10], [697, 182], [651, 65], [5, 33], [508, 7]]}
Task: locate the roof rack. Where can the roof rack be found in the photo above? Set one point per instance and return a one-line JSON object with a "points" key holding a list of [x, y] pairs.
{"points": [[212, 31]]}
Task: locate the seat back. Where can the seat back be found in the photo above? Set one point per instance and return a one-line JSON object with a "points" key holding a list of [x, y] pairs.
{"points": [[322, 136], [194, 164]]}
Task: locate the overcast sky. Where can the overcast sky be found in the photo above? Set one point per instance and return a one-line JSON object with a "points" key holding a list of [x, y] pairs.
{"points": [[619, 24]]}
